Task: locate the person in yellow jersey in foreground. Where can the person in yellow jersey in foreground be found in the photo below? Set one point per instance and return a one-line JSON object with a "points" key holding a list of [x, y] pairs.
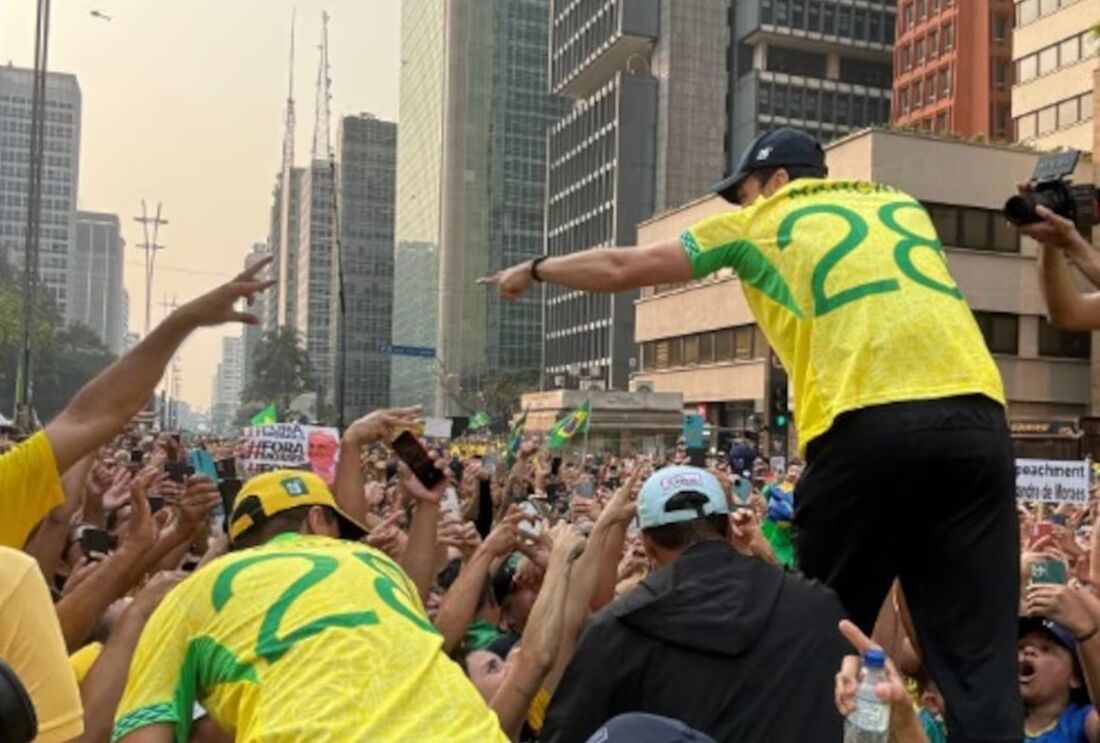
{"points": [[899, 405], [298, 634]]}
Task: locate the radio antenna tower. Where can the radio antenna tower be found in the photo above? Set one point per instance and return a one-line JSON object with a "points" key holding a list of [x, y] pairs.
{"points": [[322, 139], [284, 262]]}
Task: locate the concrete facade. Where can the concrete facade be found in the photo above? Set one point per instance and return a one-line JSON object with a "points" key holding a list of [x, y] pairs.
{"points": [[316, 266], [60, 177], [419, 198], [953, 67], [98, 299], [824, 67], [1055, 53], [646, 131], [700, 339], [367, 154], [227, 385]]}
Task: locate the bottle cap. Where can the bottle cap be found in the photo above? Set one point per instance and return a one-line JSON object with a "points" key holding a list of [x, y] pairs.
{"points": [[874, 658]]}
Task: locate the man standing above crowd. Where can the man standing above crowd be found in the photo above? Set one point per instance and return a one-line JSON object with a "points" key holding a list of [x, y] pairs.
{"points": [[899, 404], [729, 644]]}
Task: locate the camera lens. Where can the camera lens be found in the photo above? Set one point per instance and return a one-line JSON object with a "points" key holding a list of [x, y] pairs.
{"points": [[1021, 209]]}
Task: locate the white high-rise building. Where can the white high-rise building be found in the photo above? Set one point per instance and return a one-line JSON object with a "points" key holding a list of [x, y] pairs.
{"points": [[60, 176], [227, 384], [97, 298]]}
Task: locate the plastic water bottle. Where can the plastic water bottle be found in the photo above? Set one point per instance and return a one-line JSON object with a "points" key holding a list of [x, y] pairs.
{"points": [[869, 722]]}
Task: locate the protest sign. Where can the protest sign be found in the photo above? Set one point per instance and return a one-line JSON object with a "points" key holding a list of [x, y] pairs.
{"points": [[1052, 481], [292, 446], [437, 428]]}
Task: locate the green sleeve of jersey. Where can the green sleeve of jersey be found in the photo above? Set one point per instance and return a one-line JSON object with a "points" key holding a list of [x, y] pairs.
{"points": [[708, 244]]}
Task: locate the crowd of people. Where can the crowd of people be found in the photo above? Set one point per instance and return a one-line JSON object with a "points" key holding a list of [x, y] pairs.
{"points": [[153, 589]]}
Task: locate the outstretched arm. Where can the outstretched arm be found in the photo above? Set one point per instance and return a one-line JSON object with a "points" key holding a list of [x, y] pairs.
{"points": [[103, 407], [1067, 306], [600, 270]]}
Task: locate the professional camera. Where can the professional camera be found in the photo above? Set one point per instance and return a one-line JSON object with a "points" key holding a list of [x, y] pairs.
{"points": [[1051, 187]]}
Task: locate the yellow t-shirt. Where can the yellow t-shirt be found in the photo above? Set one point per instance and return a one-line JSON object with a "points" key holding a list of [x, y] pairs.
{"points": [[304, 638], [30, 487], [32, 644], [850, 285]]}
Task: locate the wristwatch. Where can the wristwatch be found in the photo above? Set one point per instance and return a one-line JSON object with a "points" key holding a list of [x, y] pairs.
{"points": [[535, 267]]}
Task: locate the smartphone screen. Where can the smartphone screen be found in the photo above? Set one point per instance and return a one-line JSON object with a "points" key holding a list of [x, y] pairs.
{"points": [[156, 502], [226, 468], [1048, 570], [555, 466], [228, 488], [95, 540], [416, 458], [742, 488], [178, 472], [1041, 530]]}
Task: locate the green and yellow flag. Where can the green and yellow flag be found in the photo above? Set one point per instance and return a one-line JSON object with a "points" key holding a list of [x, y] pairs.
{"points": [[515, 440], [574, 423], [267, 416], [480, 420]]}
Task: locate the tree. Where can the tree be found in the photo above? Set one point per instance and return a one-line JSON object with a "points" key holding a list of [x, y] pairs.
{"points": [[62, 359], [282, 370]]}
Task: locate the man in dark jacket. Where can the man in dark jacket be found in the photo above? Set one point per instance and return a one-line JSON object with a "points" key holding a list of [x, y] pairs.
{"points": [[730, 645]]}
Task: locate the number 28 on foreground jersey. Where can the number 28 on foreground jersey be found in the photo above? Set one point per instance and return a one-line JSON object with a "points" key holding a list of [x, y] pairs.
{"points": [[850, 285], [303, 639]]}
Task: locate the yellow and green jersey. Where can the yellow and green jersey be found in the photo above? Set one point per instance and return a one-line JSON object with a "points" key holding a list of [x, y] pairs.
{"points": [[850, 285], [303, 639]]}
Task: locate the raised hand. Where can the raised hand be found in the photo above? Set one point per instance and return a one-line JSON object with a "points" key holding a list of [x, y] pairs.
{"points": [[892, 690], [141, 530], [218, 307], [382, 425], [1060, 604], [199, 498]]}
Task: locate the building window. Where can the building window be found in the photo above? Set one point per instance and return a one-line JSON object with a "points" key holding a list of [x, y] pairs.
{"points": [[723, 345], [1000, 28], [691, 350], [796, 62], [1069, 51], [675, 352], [948, 37], [945, 82], [973, 228], [1027, 126], [918, 51], [922, 9], [1027, 68], [1068, 114], [743, 343], [933, 44], [905, 58], [1048, 60], [1000, 330], [706, 348], [930, 90], [1063, 344], [1048, 119], [908, 16], [1026, 12], [941, 123]]}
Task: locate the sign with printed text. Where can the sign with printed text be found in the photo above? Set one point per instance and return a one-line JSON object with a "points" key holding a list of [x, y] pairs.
{"points": [[1052, 481], [292, 446]]}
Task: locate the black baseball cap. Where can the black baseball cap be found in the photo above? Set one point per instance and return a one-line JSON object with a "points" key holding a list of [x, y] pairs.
{"points": [[779, 148]]}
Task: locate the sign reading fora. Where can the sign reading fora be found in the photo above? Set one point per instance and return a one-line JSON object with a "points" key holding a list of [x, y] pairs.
{"points": [[1052, 481]]}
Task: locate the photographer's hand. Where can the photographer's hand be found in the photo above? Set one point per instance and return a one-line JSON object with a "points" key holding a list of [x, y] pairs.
{"points": [[1067, 306]]}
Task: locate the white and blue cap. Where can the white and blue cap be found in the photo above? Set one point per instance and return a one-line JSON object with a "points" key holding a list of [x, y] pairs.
{"points": [[677, 494]]}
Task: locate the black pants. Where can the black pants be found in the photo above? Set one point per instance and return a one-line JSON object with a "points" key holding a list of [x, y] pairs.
{"points": [[925, 492]]}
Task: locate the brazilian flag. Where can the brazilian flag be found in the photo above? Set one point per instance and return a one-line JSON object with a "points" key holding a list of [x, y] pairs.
{"points": [[268, 415], [480, 420], [515, 440], [574, 423]]}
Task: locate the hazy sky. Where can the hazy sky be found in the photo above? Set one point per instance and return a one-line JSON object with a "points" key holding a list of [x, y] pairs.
{"points": [[183, 104]]}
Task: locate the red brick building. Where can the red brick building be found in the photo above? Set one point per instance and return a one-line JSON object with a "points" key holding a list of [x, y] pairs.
{"points": [[953, 66]]}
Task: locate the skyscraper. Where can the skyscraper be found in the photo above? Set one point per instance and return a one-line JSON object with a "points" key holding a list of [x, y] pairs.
{"points": [[367, 157], [953, 66], [97, 297], [419, 195], [227, 384], [820, 65], [60, 176], [1055, 52], [282, 240], [314, 275], [647, 132], [251, 334], [487, 62]]}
